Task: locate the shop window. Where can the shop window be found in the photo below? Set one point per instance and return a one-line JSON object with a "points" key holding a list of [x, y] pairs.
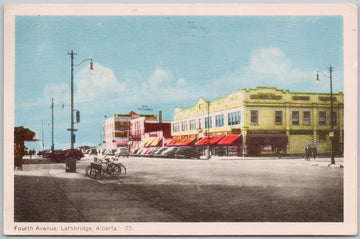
{"points": [[307, 118], [278, 116], [295, 117], [322, 117], [254, 116]]}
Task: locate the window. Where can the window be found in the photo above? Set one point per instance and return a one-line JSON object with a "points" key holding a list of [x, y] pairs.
{"points": [[183, 125], [192, 124], [176, 127], [307, 118], [234, 118], [322, 117], [219, 120], [322, 136], [278, 116], [295, 117], [334, 117], [208, 123], [199, 123], [254, 116]]}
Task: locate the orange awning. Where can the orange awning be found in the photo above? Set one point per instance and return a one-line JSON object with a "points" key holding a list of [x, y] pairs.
{"points": [[185, 142]]}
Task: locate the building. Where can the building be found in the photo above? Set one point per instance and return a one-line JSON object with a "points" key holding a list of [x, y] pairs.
{"points": [[149, 132], [266, 120], [117, 129]]}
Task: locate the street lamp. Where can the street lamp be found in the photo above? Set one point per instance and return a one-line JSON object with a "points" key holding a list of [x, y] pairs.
{"points": [[72, 138], [208, 156], [331, 135]]}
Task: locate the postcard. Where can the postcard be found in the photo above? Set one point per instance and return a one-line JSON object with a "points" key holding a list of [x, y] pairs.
{"points": [[180, 119]]}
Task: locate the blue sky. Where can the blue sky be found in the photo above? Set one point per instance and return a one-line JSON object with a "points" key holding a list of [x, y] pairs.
{"points": [[163, 62]]}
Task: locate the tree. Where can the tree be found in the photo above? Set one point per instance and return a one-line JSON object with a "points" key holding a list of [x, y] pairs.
{"points": [[21, 135]]}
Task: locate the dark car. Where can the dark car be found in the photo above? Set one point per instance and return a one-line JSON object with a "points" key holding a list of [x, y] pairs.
{"points": [[157, 152], [186, 152], [169, 152], [122, 151]]}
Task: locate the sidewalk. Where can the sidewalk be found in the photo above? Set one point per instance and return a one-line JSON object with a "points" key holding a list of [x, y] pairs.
{"points": [[47, 193]]}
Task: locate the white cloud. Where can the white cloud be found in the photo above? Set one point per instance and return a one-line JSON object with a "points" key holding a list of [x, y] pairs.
{"points": [[160, 77], [101, 83]]}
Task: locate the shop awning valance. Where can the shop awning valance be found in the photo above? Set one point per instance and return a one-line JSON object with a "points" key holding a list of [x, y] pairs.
{"points": [[231, 140]]}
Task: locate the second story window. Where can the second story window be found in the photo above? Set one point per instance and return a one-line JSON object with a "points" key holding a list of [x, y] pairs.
{"points": [[278, 116], [322, 117], [176, 127], [208, 123], [254, 117], [307, 118], [183, 125], [219, 120], [192, 124], [295, 117], [199, 124], [234, 118]]}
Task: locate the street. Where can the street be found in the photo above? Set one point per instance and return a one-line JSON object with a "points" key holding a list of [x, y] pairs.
{"points": [[172, 190]]}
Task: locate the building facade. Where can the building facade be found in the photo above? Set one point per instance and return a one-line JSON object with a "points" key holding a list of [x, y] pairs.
{"points": [[268, 119], [117, 129]]}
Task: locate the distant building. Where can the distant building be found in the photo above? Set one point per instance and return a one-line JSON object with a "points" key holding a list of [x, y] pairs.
{"points": [[264, 120], [143, 130], [132, 129], [117, 129]]}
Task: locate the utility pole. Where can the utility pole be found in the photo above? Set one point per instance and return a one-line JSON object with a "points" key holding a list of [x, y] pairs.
{"points": [[331, 118], [52, 124], [42, 134], [72, 136]]}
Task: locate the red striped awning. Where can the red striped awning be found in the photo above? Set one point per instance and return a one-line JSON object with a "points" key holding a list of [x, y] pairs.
{"points": [[229, 140], [216, 139], [203, 141]]}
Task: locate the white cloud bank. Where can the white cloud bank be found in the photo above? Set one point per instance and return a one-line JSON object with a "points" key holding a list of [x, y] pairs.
{"points": [[101, 82]]}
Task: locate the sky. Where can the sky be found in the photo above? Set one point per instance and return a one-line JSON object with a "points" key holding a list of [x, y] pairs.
{"points": [[161, 62]]}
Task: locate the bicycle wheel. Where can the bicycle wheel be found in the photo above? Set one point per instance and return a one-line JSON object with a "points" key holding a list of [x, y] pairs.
{"points": [[122, 170], [114, 170], [87, 171]]}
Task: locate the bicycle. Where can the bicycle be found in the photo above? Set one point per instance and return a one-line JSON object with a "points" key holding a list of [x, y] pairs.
{"points": [[108, 166]]}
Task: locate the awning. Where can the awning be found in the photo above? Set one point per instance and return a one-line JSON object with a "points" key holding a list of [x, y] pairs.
{"points": [[185, 142], [216, 139], [171, 143], [230, 140], [203, 141], [155, 142], [145, 142]]}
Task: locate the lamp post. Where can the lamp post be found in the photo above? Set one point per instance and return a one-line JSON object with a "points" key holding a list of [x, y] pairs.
{"points": [[52, 125], [331, 135], [207, 129], [72, 138]]}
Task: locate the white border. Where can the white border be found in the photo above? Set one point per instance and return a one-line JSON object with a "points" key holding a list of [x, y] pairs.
{"points": [[349, 13]]}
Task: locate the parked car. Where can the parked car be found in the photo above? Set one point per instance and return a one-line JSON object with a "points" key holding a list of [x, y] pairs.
{"points": [[122, 151], [158, 151], [74, 153], [186, 152], [169, 152]]}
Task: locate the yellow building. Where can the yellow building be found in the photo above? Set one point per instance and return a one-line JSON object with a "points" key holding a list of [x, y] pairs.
{"points": [[267, 119]]}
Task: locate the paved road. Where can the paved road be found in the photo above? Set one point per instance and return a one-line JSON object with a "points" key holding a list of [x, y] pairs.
{"points": [[171, 190]]}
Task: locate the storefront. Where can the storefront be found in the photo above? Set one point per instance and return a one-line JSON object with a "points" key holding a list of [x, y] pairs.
{"points": [[266, 143]]}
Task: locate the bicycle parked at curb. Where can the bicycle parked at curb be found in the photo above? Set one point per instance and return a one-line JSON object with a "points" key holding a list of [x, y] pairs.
{"points": [[107, 165]]}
